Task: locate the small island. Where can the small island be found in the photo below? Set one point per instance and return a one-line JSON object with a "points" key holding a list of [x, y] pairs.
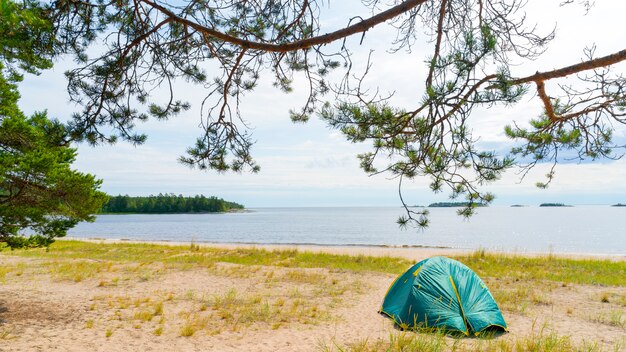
{"points": [[454, 204], [619, 205], [517, 206], [168, 204], [554, 205]]}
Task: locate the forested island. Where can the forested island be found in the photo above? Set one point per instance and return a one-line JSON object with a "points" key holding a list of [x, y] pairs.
{"points": [[167, 204], [453, 204], [554, 205]]}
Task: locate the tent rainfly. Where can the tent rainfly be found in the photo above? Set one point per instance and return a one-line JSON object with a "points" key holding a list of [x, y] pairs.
{"points": [[442, 293]]}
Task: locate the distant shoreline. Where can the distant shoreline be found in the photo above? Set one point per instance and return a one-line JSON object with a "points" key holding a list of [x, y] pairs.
{"points": [[231, 211]]}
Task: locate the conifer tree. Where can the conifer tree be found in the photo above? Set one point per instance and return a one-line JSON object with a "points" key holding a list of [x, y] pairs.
{"points": [[41, 197], [143, 45]]}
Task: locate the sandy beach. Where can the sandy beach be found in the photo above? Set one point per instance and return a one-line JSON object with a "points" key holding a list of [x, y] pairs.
{"points": [[151, 306], [412, 253]]}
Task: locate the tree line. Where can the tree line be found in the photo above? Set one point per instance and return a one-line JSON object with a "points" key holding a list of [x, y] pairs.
{"points": [[168, 203]]}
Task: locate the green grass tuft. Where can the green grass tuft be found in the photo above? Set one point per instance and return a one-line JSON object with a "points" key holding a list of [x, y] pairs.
{"points": [[601, 272], [94, 258]]}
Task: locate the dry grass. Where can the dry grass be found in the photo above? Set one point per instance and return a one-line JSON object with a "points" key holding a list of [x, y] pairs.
{"points": [[518, 296], [611, 318], [543, 340], [311, 295]]}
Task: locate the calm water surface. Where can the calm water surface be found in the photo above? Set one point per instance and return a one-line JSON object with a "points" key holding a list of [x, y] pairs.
{"points": [[580, 229]]}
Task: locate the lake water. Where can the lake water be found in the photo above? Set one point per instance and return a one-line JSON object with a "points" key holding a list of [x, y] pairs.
{"points": [[581, 229]]}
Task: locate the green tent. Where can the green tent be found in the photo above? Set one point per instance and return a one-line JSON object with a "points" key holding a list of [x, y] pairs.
{"points": [[442, 293]]}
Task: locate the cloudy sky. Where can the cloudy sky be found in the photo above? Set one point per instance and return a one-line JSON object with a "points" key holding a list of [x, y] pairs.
{"points": [[311, 165]]}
